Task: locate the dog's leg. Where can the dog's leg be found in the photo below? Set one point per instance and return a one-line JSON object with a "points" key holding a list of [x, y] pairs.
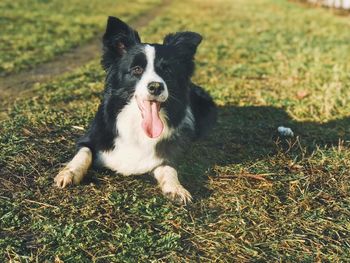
{"points": [[169, 183], [76, 169]]}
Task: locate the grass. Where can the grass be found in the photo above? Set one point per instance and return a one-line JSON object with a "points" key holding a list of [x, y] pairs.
{"points": [[258, 196], [35, 31]]}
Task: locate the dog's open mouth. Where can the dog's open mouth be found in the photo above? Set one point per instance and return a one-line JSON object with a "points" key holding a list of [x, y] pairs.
{"points": [[151, 122]]}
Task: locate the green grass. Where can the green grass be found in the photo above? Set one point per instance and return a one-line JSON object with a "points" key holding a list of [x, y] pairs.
{"points": [[258, 197], [35, 31]]}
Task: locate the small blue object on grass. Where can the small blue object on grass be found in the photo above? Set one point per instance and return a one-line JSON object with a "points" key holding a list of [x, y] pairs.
{"points": [[285, 131]]}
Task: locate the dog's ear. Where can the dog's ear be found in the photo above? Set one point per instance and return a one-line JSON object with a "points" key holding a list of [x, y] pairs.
{"points": [[185, 42], [118, 38]]}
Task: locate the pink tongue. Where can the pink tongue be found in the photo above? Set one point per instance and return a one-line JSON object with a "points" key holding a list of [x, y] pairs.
{"points": [[151, 123]]}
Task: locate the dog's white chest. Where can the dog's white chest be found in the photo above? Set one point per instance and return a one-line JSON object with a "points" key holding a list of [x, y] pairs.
{"points": [[134, 152]]}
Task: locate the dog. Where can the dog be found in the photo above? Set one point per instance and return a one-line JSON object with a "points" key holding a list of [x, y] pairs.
{"points": [[150, 110]]}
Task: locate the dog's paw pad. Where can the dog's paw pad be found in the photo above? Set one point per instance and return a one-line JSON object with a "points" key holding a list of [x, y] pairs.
{"points": [[178, 194], [64, 178]]}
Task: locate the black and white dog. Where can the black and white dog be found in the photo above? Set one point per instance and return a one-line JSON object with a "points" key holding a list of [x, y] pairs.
{"points": [[150, 109]]}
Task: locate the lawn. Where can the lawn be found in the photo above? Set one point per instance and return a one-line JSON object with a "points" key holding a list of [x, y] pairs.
{"points": [[259, 197], [35, 31]]}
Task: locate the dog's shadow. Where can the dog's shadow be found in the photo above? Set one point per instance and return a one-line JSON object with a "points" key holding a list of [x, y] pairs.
{"points": [[248, 134], [241, 135]]}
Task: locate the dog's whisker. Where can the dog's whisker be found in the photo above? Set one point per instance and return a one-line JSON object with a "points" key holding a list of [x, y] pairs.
{"points": [[174, 98]]}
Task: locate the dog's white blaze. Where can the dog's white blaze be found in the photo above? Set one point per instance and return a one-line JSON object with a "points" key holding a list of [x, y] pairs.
{"points": [[134, 152], [149, 76]]}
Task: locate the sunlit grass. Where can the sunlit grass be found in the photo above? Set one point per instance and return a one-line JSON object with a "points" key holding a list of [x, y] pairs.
{"points": [[35, 31]]}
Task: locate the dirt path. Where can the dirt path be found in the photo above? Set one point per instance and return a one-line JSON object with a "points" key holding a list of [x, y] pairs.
{"points": [[20, 83]]}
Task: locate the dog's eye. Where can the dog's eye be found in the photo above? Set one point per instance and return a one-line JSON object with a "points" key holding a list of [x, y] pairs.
{"points": [[137, 70]]}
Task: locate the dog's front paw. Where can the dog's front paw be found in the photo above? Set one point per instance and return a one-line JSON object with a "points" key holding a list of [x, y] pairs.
{"points": [[177, 193], [64, 178]]}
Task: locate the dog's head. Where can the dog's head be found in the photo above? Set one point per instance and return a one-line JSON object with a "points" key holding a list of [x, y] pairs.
{"points": [[157, 75]]}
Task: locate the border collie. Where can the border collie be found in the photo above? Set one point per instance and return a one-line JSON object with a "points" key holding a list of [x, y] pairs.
{"points": [[150, 110]]}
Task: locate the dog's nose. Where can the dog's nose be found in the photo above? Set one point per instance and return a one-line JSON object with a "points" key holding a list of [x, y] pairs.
{"points": [[155, 88]]}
